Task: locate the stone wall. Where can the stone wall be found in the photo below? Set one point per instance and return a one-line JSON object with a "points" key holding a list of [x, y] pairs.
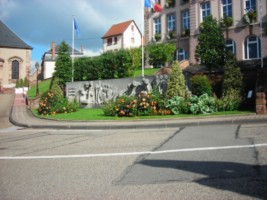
{"points": [[261, 103], [94, 93]]}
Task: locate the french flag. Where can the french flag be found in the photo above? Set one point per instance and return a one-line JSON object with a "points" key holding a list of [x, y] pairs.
{"points": [[153, 4]]}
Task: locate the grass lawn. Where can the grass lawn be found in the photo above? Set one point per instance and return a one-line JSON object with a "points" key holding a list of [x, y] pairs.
{"points": [[97, 114], [147, 72], [43, 87]]}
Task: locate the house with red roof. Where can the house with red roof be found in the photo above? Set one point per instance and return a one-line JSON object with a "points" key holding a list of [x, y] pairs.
{"points": [[124, 35]]}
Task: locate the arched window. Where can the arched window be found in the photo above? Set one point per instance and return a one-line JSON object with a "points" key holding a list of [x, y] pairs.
{"points": [[181, 54], [252, 47], [230, 46], [15, 69]]}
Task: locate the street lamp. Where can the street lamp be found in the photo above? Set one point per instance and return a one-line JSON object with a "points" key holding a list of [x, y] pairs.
{"points": [[37, 72]]}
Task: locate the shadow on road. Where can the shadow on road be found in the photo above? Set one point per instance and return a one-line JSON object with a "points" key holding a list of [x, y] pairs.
{"points": [[244, 179]]}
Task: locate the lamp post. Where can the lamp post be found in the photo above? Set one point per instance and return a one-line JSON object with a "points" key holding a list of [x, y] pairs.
{"points": [[37, 72]]}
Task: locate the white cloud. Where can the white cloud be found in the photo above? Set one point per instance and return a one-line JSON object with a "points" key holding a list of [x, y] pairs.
{"points": [[40, 22]]}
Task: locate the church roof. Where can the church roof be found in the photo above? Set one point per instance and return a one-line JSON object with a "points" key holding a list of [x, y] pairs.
{"points": [[10, 39]]}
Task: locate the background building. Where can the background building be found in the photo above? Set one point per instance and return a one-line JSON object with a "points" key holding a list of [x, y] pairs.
{"points": [[180, 20], [15, 59], [49, 60], [122, 36]]}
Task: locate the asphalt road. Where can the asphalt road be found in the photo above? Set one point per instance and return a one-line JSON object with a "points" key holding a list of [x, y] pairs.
{"points": [[207, 162]]}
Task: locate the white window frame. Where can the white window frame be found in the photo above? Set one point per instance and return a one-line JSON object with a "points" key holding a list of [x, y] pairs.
{"points": [[232, 45], [185, 20], [157, 26], [181, 52], [247, 45], [228, 3], [205, 10], [247, 8], [171, 22]]}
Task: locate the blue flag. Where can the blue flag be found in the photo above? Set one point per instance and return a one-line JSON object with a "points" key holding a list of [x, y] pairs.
{"points": [[76, 27]]}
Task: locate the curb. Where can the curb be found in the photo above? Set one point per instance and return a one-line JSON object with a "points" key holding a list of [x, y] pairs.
{"points": [[141, 125]]}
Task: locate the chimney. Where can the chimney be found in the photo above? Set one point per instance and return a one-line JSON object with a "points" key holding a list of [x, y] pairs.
{"points": [[53, 49]]}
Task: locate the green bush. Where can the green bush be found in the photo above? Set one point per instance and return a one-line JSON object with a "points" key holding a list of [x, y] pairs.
{"points": [[109, 108], [53, 102], [194, 105], [227, 103], [201, 85], [176, 82]]}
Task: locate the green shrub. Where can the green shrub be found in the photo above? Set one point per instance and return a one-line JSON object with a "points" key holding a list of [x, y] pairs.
{"points": [[194, 105], [26, 82], [233, 78], [201, 85], [227, 103], [176, 82], [17, 83], [53, 102], [109, 108]]}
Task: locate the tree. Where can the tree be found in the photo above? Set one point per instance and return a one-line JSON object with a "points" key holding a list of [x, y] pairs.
{"points": [[159, 54], [233, 79], [210, 49], [176, 82], [200, 85], [136, 54], [63, 69]]}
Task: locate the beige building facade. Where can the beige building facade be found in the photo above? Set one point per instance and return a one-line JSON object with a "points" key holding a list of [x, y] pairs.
{"points": [[180, 20], [15, 58]]}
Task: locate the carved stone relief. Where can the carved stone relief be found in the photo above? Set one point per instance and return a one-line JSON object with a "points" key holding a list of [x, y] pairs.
{"points": [[95, 93]]}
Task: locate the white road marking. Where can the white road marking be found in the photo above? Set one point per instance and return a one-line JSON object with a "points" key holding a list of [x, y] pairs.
{"points": [[132, 153], [51, 130]]}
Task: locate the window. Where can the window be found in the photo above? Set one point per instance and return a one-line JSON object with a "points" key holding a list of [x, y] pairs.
{"points": [[205, 10], [115, 40], [250, 4], [132, 40], [252, 48], [157, 26], [227, 8], [181, 54], [132, 27], [186, 20], [171, 22], [230, 46], [109, 41], [15, 69]]}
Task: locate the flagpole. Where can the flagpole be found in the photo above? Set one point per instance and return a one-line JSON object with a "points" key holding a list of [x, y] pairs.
{"points": [[143, 36], [72, 58]]}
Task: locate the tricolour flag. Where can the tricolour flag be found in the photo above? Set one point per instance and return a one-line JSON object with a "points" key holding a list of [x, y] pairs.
{"points": [[76, 27], [153, 4]]}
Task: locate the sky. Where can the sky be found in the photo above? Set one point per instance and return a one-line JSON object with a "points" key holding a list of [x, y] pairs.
{"points": [[39, 22]]}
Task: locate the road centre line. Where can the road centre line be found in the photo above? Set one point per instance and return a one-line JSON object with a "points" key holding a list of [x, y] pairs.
{"points": [[131, 153]]}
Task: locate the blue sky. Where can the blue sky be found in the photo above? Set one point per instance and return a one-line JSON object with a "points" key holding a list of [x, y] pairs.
{"points": [[40, 22]]}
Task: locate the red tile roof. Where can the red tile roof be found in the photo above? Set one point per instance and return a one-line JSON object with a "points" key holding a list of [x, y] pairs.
{"points": [[117, 29]]}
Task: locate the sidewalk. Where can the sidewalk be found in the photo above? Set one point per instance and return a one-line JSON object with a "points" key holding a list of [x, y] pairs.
{"points": [[21, 116]]}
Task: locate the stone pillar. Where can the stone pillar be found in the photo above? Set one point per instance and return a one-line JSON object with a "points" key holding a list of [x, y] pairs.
{"points": [[261, 103]]}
